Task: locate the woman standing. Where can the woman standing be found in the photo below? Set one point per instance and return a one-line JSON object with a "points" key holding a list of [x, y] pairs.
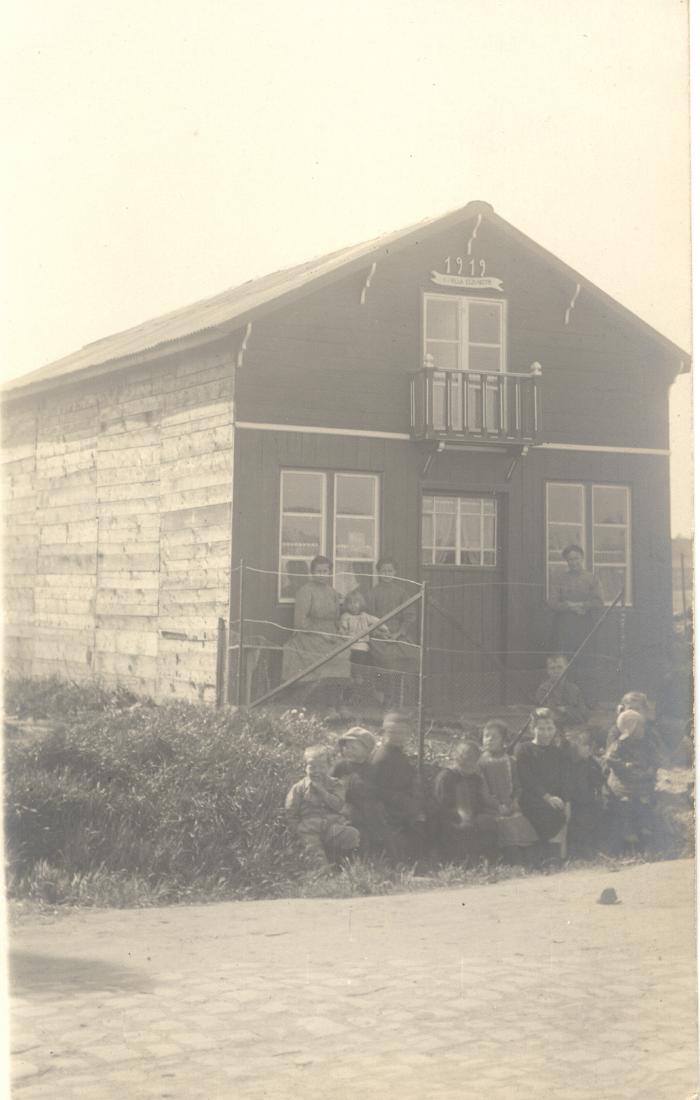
{"points": [[575, 597], [316, 616]]}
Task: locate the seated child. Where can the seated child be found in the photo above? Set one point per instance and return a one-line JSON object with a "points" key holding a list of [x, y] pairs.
{"points": [[587, 811], [466, 817], [498, 769], [565, 700], [543, 778], [353, 620], [396, 783], [630, 764], [366, 810], [315, 808], [636, 700]]}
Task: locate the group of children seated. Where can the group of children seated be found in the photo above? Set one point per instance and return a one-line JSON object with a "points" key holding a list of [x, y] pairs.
{"points": [[554, 793]]}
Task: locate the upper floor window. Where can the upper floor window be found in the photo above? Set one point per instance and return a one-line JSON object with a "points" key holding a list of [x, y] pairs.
{"points": [[322, 511], [597, 518], [464, 333]]}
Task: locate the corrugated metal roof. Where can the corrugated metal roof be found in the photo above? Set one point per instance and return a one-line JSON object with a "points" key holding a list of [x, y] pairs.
{"points": [[230, 310]]}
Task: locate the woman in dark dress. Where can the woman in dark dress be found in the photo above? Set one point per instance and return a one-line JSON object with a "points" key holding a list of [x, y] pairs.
{"points": [[575, 598], [543, 775]]}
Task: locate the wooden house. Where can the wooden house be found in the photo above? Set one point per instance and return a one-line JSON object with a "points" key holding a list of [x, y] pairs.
{"points": [[451, 394]]}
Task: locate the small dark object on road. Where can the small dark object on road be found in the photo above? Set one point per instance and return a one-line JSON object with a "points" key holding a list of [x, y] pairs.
{"points": [[609, 897]]}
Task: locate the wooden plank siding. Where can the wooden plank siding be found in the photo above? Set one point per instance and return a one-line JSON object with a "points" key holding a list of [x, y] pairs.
{"points": [[117, 527]]}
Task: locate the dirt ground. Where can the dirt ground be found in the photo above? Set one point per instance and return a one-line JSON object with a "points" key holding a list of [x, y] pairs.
{"points": [[526, 990]]}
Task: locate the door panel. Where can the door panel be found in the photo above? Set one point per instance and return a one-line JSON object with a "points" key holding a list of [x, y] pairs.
{"points": [[465, 601]]}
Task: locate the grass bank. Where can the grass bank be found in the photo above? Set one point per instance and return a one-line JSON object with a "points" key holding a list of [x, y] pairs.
{"points": [[115, 801]]}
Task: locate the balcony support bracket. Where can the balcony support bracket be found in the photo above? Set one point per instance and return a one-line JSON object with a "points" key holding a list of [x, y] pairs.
{"points": [[522, 451]]}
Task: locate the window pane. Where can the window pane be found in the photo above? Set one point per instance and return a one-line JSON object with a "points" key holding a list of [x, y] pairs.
{"points": [[471, 533], [610, 504], [445, 531], [610, 545], [489, 557], [354, 495], [301, 536], [445, 557], [562, 535], [444, 356], [442, 318], [485, 359], [490, 531], [446, 504], [484, 323], [302, 492], [470, 506], [470, 557], [565, 503], [428, 505], [354, 538]]}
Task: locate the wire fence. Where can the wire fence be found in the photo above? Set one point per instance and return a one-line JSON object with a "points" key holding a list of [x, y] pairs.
{"points": [[461, 666]]}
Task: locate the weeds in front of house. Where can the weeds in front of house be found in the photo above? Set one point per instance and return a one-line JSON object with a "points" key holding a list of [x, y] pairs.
{"points": [[123, 803]]}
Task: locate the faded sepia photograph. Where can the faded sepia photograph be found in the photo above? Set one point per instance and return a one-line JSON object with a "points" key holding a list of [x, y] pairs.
{"points": [[347, 503]]}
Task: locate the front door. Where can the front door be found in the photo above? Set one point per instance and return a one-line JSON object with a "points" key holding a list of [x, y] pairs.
{"points": [[464, 571]]}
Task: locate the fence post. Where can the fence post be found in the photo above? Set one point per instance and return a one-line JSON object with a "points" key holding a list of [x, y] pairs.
{"points": [[221, 654], [421, 681], [240, 668]]}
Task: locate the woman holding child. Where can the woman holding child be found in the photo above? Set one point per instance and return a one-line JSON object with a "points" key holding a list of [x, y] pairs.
{"points": [[316, 626]]}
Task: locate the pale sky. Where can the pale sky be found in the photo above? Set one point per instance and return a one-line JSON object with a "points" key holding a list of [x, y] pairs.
{"points": [[161, 150]]}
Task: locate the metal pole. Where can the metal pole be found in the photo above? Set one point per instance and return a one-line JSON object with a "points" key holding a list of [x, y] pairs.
{"points": [[421, 651], [240, 664], [684, 597], [221, 654], [334, 653]]}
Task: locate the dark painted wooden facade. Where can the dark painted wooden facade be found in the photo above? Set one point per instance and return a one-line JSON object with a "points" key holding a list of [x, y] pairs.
{"points": [[334, 362], [137, 468]]}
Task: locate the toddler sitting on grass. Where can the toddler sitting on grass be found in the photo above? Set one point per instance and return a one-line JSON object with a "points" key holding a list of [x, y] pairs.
{"points": [[315, 808]]}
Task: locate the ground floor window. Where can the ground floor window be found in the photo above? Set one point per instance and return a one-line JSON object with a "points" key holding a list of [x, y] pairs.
{"points": [[332, 513], [459, 530], [597, 518]]}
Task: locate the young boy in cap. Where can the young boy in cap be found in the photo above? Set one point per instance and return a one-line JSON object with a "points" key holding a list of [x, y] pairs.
{"points": [[315, 808], [396, 783], [367, 813]]}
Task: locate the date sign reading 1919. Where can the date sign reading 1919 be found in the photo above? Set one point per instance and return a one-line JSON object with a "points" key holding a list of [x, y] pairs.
{"points": [[456, 265]]}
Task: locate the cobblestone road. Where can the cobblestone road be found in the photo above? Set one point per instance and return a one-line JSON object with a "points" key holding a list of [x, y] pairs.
{"points": [[525, 990]]}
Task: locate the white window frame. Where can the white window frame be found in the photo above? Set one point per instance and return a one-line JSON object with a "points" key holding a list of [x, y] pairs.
{"points": [[327, 517], [323, 517], [588, 528], [463, 342], [457, 564], [626, 527], [374, 516]]}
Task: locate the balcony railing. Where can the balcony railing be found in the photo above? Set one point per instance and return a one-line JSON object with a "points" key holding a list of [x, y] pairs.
{"points": [[476, 407]]}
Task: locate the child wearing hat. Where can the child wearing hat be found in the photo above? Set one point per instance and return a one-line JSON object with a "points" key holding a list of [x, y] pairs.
{"points": [[631, 763], [467, 817], [367, 813], [315, 809]]}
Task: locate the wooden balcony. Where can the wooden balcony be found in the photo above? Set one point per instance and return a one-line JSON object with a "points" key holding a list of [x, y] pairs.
{"points": [[476, 407]]}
